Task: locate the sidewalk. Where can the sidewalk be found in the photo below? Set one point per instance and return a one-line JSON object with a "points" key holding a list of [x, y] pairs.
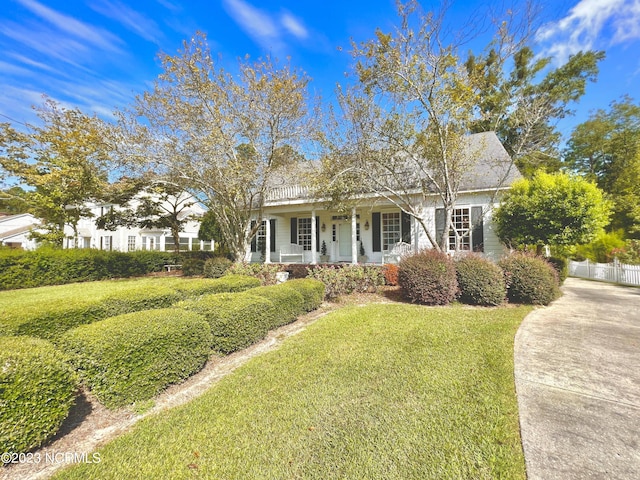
{"points": [[577, 371]]}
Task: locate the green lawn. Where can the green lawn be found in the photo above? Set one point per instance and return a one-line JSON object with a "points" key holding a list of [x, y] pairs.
{"points": [[29, 299], [382, 391]]}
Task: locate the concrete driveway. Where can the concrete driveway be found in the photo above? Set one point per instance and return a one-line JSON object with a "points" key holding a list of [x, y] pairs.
{"points": [[577, 370]]}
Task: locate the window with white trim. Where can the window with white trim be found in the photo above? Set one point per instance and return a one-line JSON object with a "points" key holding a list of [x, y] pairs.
{"points": [[304, 233], [131, 243], [391, 230], [461, 225]]}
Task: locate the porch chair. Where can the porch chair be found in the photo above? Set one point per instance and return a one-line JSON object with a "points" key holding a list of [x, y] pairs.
{"points": [[396, 252], [291, 252]]}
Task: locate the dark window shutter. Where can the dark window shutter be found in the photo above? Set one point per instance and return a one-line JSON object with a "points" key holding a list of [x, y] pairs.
{"points": [[294, 230], [317, 233], [254, 242], [406, 227], [440, 219], [377, 237], [272, 236], [477, 235]]}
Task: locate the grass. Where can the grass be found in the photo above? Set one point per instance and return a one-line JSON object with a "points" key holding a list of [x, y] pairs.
{"points": [[390, 391], [28, 299]]}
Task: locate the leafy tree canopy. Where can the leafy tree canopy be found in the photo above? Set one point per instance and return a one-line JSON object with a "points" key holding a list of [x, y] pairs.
{"points": [[64, 161], [606, 149], [551, 209]]}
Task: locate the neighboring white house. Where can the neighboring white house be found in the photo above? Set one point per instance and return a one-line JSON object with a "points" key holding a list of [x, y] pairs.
{"points": [[295, 224], [130, 239], [15, 230]]}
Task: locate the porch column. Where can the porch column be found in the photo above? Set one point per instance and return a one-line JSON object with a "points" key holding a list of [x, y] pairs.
{"points": [[267, 240], [354, 238], [314, 245]]}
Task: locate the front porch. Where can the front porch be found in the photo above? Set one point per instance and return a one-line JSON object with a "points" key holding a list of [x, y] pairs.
{"points": [[329, 237]]}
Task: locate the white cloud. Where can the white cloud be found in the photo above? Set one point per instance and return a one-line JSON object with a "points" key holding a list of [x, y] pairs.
{"points": [[265, 28], [294, 26], [591, 24], [88, 33], [257, 24], [129, 18]]}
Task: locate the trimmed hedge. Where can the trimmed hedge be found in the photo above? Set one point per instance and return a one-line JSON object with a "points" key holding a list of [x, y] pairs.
{"points": [[529, 279], [52, 318], [139, 298], [133, 357], [226, 284], [481, 281], [48, 266], [37, 390], [312, 291], [236, 320], [428, 277], [288, 301]]}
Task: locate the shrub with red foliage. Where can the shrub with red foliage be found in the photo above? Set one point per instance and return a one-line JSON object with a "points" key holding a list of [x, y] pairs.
{"points": [[390, 272], [428, 277]]}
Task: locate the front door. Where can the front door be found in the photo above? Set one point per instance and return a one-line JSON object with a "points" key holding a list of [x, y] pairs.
{"points": [[344, 242]]}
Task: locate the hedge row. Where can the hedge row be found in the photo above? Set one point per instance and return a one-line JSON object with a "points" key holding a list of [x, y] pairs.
{"points": [[45, 266], [133, 357], [239, 320], [434, 278], [37, 390], [52, 319]]}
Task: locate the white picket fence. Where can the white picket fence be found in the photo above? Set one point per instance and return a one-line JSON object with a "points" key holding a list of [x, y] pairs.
{"points": [[615, 272]]}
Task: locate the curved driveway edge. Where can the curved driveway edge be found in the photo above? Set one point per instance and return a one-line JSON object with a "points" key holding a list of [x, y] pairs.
{"points": [[577, 374]]}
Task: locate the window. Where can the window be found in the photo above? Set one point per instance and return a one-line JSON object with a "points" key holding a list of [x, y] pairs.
{"points": [[105, 242], [184, 243], [461, 221], [390, 229], [304, 233], [131, 243]]}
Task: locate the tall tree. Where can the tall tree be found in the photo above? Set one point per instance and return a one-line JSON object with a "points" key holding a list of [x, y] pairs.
{"points": [[219, 135], [405, 124], [523, 110], [63, 160], [606, 149], [155, 205], [551, 209]]}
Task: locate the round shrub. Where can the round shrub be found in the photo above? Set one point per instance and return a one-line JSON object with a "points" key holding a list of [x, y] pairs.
{"points": [[480, 281], [192, 267], [428, 277], [236, 320], [561, 264], [529, 279], [312, 291], [216, 267], [289, 303], [133, 357], [37, 390]]}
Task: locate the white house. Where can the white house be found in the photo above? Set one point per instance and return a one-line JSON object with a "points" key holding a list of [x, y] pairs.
{"points": [[15, 230], [295, 224], [127, 239]]}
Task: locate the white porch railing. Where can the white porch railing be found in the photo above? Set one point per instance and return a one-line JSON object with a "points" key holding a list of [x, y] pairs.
{"points": [[615, 272], [288, 192]]}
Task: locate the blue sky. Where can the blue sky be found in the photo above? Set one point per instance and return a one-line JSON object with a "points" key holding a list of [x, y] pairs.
{"points": [[97, 54]]}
